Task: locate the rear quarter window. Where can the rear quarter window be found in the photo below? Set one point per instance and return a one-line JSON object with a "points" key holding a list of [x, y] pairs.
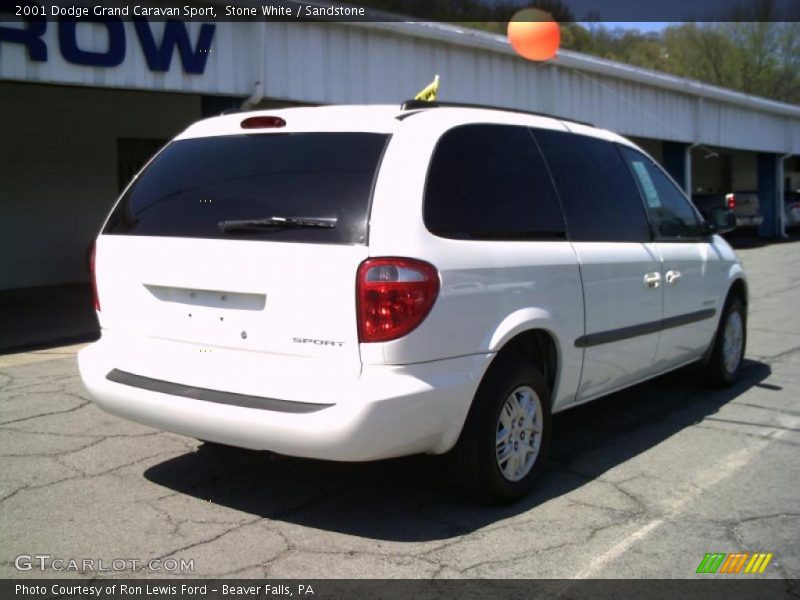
{"points": [[195, 184], [490, 182]]}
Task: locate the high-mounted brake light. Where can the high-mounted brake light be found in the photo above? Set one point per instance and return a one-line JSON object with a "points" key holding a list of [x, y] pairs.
{"points": [[394, 296], [731, 200], [263, 123], [95, 297]]}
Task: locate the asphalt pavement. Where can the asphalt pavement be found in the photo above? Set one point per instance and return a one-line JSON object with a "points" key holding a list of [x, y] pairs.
{"points": [[641, 484]]}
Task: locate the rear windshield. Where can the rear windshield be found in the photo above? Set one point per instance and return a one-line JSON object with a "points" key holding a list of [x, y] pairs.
{"points": [[194, 185]]}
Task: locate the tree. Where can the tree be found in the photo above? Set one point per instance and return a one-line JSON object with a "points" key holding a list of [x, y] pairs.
{"points": [[749, 49], [754, 57]]}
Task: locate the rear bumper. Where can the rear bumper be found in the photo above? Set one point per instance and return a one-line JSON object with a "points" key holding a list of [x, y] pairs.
{"points": [[751, 221], [384, 412]]}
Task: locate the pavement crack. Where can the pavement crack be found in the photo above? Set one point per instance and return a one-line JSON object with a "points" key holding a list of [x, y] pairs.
{"points": [[754, 518], [516, 557], [55, 412], [738, 433], [780, 356], [14, 493], [208, 540], [779, 411]]}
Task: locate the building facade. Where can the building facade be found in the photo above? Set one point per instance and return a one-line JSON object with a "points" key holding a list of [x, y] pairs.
{"points": [[84, 104]]}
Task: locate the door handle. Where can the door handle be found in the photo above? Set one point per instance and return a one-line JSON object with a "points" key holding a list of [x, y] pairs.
{"points": [[673, 276], [652, 280]]}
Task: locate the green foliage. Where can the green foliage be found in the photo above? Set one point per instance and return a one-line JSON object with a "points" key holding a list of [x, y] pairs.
{"points": [[761, 58], [748, 50]]}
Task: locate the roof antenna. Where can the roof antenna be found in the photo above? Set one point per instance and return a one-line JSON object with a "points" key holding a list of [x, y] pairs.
{"points": [[429, 92]]}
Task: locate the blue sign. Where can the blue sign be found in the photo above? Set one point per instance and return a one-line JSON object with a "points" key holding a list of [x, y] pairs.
{"points": [[158, 54]]}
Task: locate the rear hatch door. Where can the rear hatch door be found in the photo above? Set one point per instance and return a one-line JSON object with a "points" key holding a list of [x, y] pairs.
{"points": [[241, 243]]}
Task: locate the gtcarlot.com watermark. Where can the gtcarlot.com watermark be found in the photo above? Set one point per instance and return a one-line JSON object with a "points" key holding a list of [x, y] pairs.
{"points": [[46, 562]]}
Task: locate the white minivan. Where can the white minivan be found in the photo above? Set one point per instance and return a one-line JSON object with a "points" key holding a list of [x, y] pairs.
{"points": [[362, 282]]}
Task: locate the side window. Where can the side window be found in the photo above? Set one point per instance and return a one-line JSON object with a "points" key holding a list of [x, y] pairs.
{"points": [[490, 182], [598, 194], [670, 212]]}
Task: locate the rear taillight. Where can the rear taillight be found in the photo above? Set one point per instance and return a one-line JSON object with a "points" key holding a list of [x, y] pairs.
{"points": [[95, 297], [394, 296], [731, 200]]}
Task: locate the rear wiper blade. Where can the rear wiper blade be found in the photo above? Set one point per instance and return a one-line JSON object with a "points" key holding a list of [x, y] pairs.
{"points": [[278, 222]]}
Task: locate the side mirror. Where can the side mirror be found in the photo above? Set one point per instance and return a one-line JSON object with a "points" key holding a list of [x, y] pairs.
{"points": [[722, 220]]}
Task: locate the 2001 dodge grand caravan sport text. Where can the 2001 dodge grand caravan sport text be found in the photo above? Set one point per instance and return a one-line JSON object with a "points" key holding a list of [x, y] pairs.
{"points": [[362, 282]]}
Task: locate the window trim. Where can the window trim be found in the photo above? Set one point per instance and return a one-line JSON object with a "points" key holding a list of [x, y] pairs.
{"points": [[567, 234], [372, 188], [467, 236]]}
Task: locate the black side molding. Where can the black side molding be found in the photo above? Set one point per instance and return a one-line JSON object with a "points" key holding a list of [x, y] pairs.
{"points": [[229, 398], [615, 335]]}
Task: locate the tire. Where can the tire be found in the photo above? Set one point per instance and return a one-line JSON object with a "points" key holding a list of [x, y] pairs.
{"points": [[475, 463], [724, 366]]}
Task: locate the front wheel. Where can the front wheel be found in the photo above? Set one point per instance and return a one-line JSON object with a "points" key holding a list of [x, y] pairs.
{"points": [[505, 438], [725, 364]]}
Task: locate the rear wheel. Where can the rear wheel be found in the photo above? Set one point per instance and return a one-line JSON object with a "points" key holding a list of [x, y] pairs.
{"points": [[725, 364], [505, 438]]}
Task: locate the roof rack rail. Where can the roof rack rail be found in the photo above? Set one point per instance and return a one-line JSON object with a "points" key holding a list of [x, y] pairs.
{"points": [[422, 104]]}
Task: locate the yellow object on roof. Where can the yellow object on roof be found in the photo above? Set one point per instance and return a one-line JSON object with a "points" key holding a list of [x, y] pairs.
{"points": [[428, 93]]}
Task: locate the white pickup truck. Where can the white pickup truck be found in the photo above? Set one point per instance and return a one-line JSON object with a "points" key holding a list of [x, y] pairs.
{"points": [[745, 206]]}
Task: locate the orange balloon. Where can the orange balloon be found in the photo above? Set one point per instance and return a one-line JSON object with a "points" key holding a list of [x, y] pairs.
{"points": [[534, 35]]}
